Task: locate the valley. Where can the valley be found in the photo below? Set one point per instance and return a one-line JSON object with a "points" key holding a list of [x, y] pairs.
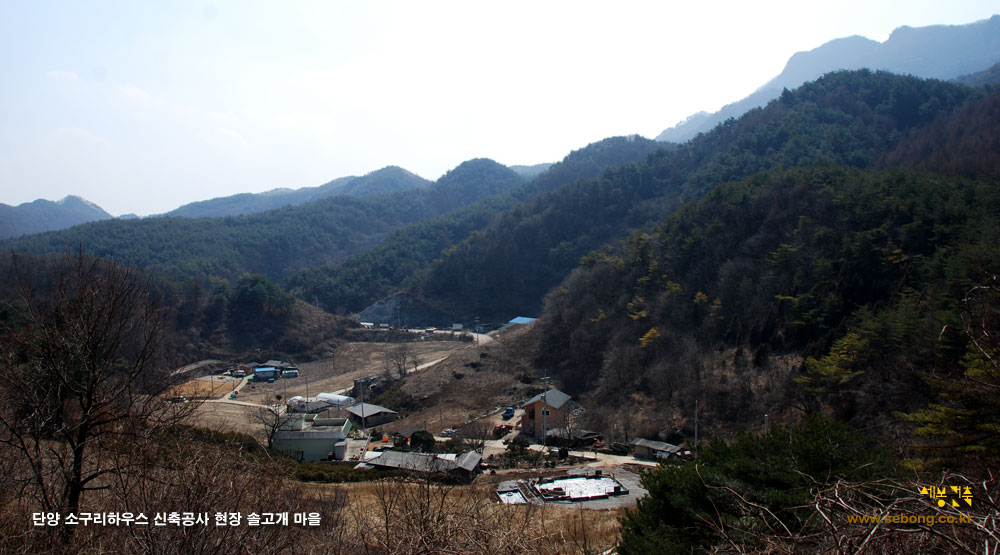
{"points": [[750, 340]]}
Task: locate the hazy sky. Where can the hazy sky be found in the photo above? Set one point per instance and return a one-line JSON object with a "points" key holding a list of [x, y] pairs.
{"points": [[144, 106]]}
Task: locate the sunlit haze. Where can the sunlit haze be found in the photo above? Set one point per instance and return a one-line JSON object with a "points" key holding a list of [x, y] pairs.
{"points": [[141, 107]]}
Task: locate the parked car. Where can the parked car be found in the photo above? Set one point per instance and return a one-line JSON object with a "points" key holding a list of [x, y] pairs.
{"points": [[508, 413], [177, 399]]}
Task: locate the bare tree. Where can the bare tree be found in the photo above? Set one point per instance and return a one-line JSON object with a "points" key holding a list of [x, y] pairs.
{"points": [[981, 316], [271, 415], [401, 358], [420, 516], [618, 379], [224, 479], [877, 516], [79, 374], [476, 432], [568, 420]]}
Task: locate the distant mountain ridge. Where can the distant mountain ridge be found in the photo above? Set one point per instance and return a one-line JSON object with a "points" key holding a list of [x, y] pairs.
{"points": [[531, 171], [937, 51], [988, 76], [844, 118], [277, 243], [408, 252], [390, 179], [46, 215]]}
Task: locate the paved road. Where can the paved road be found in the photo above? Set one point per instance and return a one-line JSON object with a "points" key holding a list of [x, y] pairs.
{"points": [[225, 399], [420, 367], [426, 365], [483, 338], [228, 401]]}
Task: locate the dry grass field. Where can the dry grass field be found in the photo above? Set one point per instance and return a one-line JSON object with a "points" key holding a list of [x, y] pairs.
{"points": [[351, 360], [227, 417], [466, 382], [330, 374], [465, 519], [470, 383], [209, 387]]}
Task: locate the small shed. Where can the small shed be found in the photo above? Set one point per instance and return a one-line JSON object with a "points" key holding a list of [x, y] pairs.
{"points": [[369, 415], [262, 373], [649, 449]]}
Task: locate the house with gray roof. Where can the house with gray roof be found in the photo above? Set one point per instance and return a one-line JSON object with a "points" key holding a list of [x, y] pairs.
{"points": [[649, 449], [367, 415], [464, 465], [545, 411]]}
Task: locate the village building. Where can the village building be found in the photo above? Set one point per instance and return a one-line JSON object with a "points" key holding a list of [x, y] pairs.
{"points": [[335, 399], [366, 415], [572, 437], [279, 364], [270, 370], [649, 449], [309, 438], [310, 407], [463, 466], [264, 373], [519, 321], [545, 411]]}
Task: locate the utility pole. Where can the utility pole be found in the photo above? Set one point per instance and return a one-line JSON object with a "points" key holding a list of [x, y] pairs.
{"points": [[363, 409], [545, 426], [696, 429]]}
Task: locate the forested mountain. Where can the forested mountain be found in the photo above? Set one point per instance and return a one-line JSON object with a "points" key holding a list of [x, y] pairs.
{"points": [[469, 182], [989, 76], [251, 318], [276, 243], [406, 254], [937, 51], [44, 215], [391, 179], [966, 142], [859, 269], [848, 118]]}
